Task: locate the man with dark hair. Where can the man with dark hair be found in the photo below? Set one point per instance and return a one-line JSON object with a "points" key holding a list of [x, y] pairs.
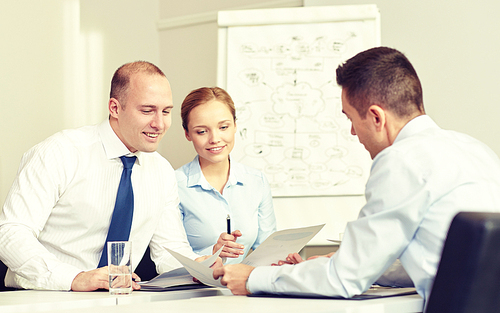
{"points": [[57, 215], [421, 177]]}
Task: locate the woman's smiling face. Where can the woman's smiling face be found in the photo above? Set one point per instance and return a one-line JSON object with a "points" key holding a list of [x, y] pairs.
{"points": [[212, 129]]}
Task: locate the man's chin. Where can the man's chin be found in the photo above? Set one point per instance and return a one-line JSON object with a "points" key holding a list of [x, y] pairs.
{"points": [[149, 148]]}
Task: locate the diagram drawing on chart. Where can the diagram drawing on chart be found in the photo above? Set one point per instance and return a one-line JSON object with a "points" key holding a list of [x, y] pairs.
{"points": [[290, 123]]}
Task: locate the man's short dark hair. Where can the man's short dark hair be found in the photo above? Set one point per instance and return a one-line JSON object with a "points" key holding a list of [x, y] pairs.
{"points": [[382, 76]]}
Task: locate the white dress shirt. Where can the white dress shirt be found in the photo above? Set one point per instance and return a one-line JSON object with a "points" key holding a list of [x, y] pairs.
{"points": [[416, 187], [57, 214], [246, 198]]}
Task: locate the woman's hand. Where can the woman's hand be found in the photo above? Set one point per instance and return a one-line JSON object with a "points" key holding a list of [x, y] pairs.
{"points": [[231, 248]]}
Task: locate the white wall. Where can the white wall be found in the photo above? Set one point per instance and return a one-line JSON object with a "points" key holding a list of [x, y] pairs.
{"points": [[31, 79], [56, 62]]}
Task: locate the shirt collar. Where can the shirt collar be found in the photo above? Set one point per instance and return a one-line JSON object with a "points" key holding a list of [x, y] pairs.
{"points": [[416, 125], [113, 146], [195, 176]]}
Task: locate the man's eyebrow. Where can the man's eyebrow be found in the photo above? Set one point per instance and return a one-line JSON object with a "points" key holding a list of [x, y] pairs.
{"points": [[152, 106]]}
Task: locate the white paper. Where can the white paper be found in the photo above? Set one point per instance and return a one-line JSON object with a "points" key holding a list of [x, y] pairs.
{"points": [[281, 243], [334, 240], [173, 278], [200, 270], [275, 248]]}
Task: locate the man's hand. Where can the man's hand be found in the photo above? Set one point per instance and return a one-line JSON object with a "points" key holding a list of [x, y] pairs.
{"points": [[295, 258], [97, 279], [292, 258], [234, 277], [231, 248], [329, 255], [216, 264]]}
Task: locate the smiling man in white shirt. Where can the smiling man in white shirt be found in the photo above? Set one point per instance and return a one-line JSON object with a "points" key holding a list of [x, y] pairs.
{"points": [[421, 177], [55, 219]]}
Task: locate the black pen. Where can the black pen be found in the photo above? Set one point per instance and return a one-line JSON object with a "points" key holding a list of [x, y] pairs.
{"points": [[228, 221]]}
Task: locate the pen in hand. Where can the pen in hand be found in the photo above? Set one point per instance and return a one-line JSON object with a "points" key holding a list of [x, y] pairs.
{"points": [[228, 221]]}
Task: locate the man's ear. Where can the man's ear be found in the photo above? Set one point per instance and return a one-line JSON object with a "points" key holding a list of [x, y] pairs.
{"points": [[377, 115], [113, 107]]}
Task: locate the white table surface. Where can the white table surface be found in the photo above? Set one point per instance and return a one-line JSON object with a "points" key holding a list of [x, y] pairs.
{"points": [[242, 304], [195, 300], [48, 301]]}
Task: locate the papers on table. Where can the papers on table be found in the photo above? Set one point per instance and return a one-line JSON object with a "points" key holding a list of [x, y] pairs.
{"points": [[200, 270], [374, 292], [168, 280], [275, 248], [179, 278]]}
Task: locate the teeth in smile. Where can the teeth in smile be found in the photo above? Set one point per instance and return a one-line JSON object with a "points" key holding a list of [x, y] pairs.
{"points": [[151, 135], [216, 149]]}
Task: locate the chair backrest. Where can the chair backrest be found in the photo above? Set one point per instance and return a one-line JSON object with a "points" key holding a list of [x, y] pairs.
{"points": [[146, 268], [468, 276], [3, 271]]}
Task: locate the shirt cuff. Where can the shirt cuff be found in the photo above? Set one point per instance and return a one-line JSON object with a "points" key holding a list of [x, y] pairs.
{"points": [[260, 279], [63, 278]]}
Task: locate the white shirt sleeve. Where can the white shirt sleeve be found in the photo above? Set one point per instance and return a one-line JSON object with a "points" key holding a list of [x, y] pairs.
{"points": [[170, 233], [26, 209], [386, 224]]}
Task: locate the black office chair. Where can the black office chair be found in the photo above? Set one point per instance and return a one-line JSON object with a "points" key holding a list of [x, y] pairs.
{"points": [[3, 270], [146, 268], [468, 276]]}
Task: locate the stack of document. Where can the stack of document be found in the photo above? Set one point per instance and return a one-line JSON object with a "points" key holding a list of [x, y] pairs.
{"points": [[177, 279]]}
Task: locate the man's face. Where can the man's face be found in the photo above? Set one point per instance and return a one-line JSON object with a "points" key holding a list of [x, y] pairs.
{"points": [[362, 127], [144, 117]]}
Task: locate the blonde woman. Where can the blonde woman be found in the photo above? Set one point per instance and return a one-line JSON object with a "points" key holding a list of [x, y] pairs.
{"points": [[213, 187]]}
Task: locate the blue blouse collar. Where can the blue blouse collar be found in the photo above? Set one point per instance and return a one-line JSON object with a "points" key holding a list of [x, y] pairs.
{"points": [[195, 176]]}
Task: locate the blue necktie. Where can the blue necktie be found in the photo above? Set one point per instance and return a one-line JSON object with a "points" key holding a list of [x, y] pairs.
{"points": [[121, 221]]}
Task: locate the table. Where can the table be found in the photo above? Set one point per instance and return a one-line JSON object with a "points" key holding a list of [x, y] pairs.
{"points": [[48, 301], [242, 304], [195, 300]]}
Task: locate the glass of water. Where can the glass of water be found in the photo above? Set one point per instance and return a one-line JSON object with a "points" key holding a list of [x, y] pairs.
{"points": [[120, 267]]}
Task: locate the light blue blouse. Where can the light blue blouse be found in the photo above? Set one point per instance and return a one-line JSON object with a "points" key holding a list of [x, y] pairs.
{"points": [[415, 188], [246, 198]]}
